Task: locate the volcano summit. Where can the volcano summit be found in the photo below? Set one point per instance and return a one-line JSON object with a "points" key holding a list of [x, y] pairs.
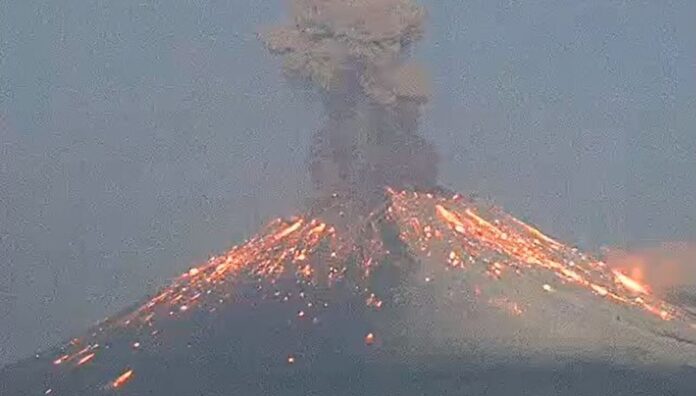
{"points": [[428, 283]]}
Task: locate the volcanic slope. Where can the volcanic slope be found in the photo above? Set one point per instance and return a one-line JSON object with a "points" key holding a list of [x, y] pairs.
{"points": [[430, 292]]}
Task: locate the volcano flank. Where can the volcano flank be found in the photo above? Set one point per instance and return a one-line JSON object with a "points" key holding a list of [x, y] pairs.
{"points": [[429, 292]]}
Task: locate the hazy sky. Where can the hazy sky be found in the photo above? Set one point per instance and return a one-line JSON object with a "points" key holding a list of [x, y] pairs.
{"points": [[137, 137]]}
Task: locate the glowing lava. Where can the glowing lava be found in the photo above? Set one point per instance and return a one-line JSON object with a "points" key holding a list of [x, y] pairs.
{"points": [[630, 283], [122, 379], [453, 232]]}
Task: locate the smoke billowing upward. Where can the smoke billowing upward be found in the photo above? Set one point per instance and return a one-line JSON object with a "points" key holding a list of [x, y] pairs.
{"points": [[354, 51]]}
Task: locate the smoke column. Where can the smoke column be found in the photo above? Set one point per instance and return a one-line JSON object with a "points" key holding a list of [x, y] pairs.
{"points": [[354, 52]]}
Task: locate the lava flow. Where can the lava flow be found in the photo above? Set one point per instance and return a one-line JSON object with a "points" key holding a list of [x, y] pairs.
{"points": [[437, 232]]}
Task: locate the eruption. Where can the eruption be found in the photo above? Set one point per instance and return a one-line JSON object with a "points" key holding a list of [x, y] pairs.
{"points": [[354, 52], [309, 279], [383, 251]]}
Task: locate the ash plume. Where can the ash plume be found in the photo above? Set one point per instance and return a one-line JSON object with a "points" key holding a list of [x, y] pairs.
{"points": [[354, 52]]}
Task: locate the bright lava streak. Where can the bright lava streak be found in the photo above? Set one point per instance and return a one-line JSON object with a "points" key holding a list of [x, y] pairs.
{"points": [[289, 230], [85, 359], [630, 283], [122, 379]]}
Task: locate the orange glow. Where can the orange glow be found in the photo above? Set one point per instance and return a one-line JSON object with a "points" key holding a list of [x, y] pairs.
{"points": [[662, 267], [450, 217], [446, 234], [538, 233], [479, 234], [122, 379], [60, 360], [289, 230], [630, 283], [369, 339], [85, 359]]}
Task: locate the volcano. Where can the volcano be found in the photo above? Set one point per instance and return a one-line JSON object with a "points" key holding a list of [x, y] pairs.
{"points": [[404, 290], [428, 293]]}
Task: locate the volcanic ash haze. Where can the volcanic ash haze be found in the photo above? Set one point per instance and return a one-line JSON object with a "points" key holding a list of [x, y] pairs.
{"points": [[354, 52]]}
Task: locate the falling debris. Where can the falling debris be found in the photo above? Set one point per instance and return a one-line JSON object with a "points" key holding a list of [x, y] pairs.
{"points": [[369, 339], [122, 379], [85, 359], [60, 360]]}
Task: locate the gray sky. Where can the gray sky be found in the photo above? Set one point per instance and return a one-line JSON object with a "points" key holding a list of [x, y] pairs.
{"points": [[137, 137]]}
